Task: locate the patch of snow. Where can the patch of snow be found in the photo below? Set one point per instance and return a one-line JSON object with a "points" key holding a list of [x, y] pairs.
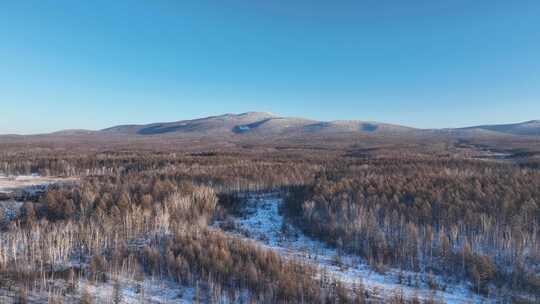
{"points": [[150, 291], [28, 185], [156, 291], [10, 209]]}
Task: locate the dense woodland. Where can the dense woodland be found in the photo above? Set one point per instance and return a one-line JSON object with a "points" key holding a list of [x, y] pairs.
{"points": [[472, 220], [147, 215], [143, 214]]}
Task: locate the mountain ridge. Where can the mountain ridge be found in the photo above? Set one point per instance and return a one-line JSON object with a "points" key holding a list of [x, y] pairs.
{"points": [[261, 124]]}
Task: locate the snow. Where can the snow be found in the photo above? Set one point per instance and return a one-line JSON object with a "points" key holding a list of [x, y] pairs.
{"points": [[264, 224], [11, 183], [150, 291], [28, 185], [156, 291], [10, 209], [242, 128]]}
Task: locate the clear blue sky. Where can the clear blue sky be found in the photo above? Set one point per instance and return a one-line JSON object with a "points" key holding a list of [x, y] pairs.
{"points": [[94, 64]]}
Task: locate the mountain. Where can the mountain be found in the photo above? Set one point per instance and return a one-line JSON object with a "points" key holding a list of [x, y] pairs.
{"points": [[531, 128], [213, 125], [270, 131], [255, 123], [74, 132], [269, 124]]}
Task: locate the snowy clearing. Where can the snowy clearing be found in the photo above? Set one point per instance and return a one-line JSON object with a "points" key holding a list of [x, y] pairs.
{"points": [[264, 224], [27, 185]]}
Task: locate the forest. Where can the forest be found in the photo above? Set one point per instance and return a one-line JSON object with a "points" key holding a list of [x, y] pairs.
{"points": [[471, 220], [135, 215]]}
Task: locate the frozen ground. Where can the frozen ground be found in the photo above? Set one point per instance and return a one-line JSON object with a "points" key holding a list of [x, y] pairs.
{"points": [[15, 189], [10, 209], [264, 224], [150, 291], [156, 291], [130, 292], [28, 182]]}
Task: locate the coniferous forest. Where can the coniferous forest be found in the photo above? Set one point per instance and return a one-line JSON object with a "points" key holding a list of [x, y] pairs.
{"points": [[132, 216]]}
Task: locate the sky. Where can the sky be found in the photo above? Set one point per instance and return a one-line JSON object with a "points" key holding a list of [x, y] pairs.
{"points": [[68, 64]]}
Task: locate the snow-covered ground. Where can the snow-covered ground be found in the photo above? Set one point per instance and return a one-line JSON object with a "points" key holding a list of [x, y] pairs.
{"points": [[156, 291], [15, 189], [126, 290], [264, 224], [151, 291], [28, 182], [10, 209], [130, 292]]}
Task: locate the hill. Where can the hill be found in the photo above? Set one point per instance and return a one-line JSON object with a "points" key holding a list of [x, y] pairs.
{"points": [[263, 130]]}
